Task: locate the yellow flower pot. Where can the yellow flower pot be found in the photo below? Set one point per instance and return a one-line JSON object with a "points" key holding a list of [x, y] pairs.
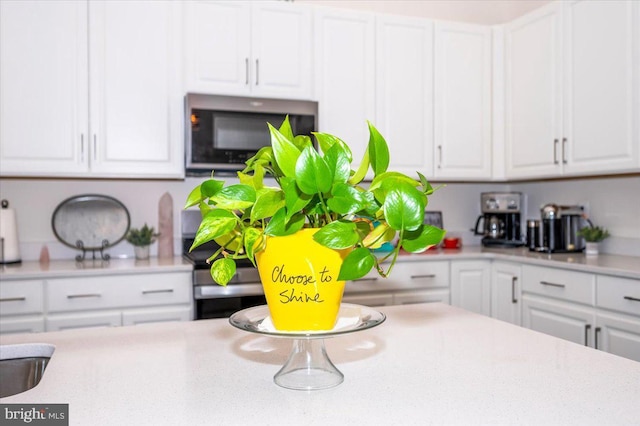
{"points": [[300, 281]]}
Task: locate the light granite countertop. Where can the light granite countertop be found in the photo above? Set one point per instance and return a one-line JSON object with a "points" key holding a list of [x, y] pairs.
{"points": [[427, 364]]}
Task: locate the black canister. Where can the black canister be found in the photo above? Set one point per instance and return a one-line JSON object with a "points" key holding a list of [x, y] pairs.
{"points": [[551, 228], [533, 234]]}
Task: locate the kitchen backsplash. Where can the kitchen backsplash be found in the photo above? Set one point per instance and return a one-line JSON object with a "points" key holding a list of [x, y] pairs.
{"points": [[611, 202]]}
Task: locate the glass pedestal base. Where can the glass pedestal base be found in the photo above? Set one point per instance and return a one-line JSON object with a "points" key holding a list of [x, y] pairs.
{"points": [[308, 366]]}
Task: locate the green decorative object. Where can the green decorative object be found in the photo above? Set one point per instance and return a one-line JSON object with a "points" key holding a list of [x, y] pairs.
{"points": [[593, 234], [142, 237]]}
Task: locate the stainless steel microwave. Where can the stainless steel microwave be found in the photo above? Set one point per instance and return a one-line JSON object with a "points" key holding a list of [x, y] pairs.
{"points": [[223, 132]]}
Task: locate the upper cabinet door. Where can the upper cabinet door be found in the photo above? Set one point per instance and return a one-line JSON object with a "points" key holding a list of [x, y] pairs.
{"points": [[217, 47], [136, 98], [345, 75], [281, 50], [533, 94], [43, 88], [404, 92], [248, 48], [462, 101], [601, 99]]}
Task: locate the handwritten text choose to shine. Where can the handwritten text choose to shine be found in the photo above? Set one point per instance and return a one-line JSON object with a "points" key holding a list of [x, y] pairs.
{"points": [[278, 275]]}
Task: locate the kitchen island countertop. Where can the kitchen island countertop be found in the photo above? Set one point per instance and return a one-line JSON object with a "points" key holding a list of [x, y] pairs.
{"points": [[427, 364]]}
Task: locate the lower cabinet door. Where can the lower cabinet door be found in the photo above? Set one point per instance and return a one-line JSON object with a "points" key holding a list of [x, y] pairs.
{"points": [[567, 321], [376, 299], [618, 334], [421, 296], [56, 322], [142, 316], [505, 292], [27, 324], [471, 286]]}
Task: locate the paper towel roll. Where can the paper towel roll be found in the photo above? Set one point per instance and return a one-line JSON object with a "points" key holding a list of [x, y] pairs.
{"points": [[9, 246]]}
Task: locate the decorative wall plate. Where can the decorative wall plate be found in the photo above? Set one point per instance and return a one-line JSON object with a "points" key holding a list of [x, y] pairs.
{"points": [[90, 222]]}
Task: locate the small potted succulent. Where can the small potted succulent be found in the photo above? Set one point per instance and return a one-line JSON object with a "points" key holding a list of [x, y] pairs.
{"points": [[318, 227], [141, 239], [593, 235]]}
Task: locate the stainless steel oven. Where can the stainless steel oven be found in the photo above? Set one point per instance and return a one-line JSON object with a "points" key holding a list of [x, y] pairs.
{"points": [[210, 299]]}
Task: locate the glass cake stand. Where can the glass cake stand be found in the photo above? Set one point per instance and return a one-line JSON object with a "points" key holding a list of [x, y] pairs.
{"points": [[308, 366]]}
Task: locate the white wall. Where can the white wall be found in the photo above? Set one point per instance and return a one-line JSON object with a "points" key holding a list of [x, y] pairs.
{"points": [[485, 12], [612, 203]]}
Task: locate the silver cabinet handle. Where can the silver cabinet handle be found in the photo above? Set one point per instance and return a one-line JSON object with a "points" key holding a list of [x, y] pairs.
{"points": [[564, 150], [439, 156], [513, 289], [95, 147], [168, 290], [552, 284], [598, 329], [14, 299], [246, 71], [635, 299], [83, 296], [257, 70], [413, 277], [82, 147], [365, 279], [555, 151], [587, 327]]}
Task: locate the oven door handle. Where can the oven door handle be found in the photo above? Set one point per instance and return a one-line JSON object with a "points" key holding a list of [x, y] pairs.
{"points": [[232, 290]]}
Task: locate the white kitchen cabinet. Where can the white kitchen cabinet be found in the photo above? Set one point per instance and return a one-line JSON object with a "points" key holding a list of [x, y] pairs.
{"points": [[369, 299], [571, 91], [21, 306], [248, 48], [440, 295], [471, 285], [618, 334], [91, 89], [404, 91], [462, 101], [506, 303], [144, 316], [569, 321], [345, 69], [68, 321]]}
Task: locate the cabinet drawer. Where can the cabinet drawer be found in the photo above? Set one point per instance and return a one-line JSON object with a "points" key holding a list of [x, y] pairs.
{"points": [[416, 275], [558, 283], [151, 315], [421, 296], [118, 291], [83, 320], [618, 294], [22, 324], [21, 297], [373, 299]]}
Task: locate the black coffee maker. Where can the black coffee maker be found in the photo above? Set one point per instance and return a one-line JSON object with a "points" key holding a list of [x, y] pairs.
{"points": [[499, 223], [560, 226]]}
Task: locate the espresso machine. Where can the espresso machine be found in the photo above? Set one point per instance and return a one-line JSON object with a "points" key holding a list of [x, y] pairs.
{"points": [[499, 223], [559, 229]]}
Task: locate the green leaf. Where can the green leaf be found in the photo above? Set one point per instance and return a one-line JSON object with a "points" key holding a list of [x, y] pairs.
{"points": [[346, 199], [338, 163], [223, 270], [337, 235], [203, 191], [381, 234], [404, 207], [327, 141], [214, 224], [295, 200], [362, 170], [357, 264], [378, 151], [421, 239], [279, 226], [285, 129], [312, 173], [235, 197], [268, 202], [256, 180], [285, 152], [253, 241], [302, 141], [426, 186]]}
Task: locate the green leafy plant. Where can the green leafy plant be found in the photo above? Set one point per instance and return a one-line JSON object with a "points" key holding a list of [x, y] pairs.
{"points": [[142, 237], [593, 234], [315, 188]]}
